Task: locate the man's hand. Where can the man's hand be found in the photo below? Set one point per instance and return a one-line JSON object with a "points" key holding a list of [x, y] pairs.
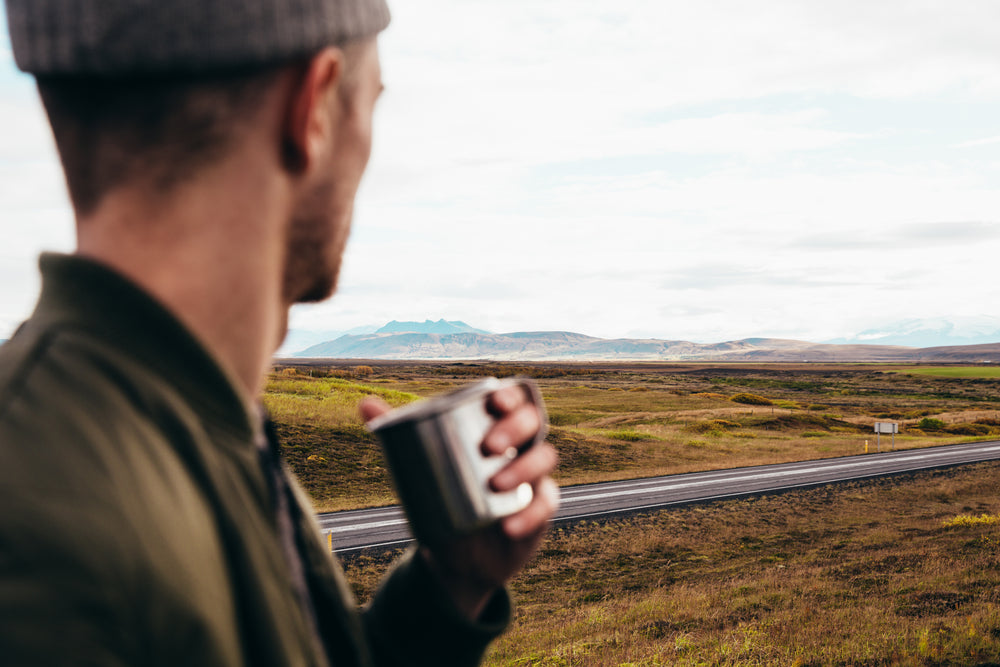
{"points": [[473, 568]]}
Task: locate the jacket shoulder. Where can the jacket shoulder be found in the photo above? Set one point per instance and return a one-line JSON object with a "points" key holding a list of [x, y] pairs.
{"points": [[104, 528]]}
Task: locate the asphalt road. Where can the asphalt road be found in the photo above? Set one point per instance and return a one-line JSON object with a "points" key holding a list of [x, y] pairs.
{"points": [[386, 526]]}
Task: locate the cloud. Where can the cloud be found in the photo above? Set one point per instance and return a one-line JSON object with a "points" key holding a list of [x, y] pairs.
{"points": [[694, 170], [711, 277], [563, 81], [912, 235], [979, 142], [936, 233]]}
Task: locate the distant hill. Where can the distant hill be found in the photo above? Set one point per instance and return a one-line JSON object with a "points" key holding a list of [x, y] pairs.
{"points": [[568, 346], [297, 339], [989, 353], [930, 332], [429, 327]]}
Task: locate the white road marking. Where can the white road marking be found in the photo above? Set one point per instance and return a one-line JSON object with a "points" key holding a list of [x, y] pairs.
{"points": [[763, 475], [364, 526]]}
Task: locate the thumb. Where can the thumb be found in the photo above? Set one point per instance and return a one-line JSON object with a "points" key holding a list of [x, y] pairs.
{"points": [[373, 406]]}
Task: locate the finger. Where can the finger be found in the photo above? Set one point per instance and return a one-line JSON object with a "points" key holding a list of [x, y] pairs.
{"points": [[506, 400], [531, 466], [372, 406], [534, 519], [515, 430]]}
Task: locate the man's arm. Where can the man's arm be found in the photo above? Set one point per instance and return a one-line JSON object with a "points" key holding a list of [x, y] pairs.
{"points": [[473, 568], [462, 583]]}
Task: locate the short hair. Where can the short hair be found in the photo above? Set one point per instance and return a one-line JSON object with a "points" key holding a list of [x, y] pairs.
{"points": [[155, 129]]}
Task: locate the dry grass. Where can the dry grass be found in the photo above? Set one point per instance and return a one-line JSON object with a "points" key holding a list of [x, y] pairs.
{"points": [[620, 421], [873, 573], [326, 443]]}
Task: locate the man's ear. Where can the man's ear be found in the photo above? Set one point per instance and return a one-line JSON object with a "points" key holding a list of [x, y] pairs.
{"points": [[308, 124]]}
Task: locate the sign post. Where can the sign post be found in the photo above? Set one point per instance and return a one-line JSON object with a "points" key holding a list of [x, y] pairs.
{"points": [[885, 427]]}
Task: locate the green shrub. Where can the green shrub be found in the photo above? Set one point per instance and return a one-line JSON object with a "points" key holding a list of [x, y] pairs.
{"points": [[630, 435], [963, 520], [930, 424], [750, 399], [969, 429], [713, 427]]}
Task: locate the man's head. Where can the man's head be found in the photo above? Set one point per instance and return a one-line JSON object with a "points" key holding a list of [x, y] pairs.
{"points": [[321, 220], [151, 131], [147, 94]]}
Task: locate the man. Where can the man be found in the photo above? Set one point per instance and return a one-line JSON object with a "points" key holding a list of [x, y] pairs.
{"points": [[212, 150]]}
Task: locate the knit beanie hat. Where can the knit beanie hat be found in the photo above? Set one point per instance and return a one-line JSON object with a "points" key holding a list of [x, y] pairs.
{"points": [[122, 37]]}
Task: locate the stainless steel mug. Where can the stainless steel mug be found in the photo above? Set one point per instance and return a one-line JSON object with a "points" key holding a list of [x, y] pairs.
{"points": [[434, 451]]}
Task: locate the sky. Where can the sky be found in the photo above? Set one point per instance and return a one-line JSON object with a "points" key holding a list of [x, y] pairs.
{"points": [[702, 171]]}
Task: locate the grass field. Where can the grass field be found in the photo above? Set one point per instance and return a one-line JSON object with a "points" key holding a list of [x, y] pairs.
{"points": [[616, 421], [956, 371], [874, 573]]}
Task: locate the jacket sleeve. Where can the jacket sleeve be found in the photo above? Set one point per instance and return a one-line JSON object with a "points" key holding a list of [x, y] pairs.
{"points": [[411, 621], [57, 611]]}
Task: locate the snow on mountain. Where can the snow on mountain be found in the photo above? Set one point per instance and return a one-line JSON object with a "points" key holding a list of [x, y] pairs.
{"points": [[930, 332]]}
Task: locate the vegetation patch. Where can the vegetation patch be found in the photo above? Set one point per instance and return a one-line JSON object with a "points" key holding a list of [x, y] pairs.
{"points": [[858, 574], [988, 372], [712, 426], [580, 452], [679, 422], [965, 520], [931, 424], [799, 421], [750, 399], [337, 466], [861, 574], [935, 603], [974, 429], [630, 435]]}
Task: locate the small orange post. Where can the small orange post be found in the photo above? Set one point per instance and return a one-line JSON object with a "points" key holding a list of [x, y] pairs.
{"points": [[329, 541]]}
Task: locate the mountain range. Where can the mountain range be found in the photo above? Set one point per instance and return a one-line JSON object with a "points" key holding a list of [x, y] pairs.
{"points": [[457, 340], [930, 332], [298, 340]]}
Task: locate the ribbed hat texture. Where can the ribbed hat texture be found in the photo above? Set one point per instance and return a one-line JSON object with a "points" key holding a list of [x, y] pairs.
{"points": [[116, 37]]}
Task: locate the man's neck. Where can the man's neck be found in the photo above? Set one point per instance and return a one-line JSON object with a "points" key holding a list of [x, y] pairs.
{"points": [[213, 254]]}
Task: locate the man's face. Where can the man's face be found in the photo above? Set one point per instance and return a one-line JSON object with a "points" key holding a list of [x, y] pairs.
{"points": [[322, 221]]}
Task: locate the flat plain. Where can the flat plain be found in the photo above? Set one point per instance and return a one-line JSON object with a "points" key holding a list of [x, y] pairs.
{"points": [[873, 573]]}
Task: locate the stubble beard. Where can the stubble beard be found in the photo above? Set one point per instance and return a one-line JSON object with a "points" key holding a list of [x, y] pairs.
{"points": [[316, 239]]}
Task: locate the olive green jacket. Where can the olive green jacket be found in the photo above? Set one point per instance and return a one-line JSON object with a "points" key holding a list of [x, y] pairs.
{"points": [[136, 523]]}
